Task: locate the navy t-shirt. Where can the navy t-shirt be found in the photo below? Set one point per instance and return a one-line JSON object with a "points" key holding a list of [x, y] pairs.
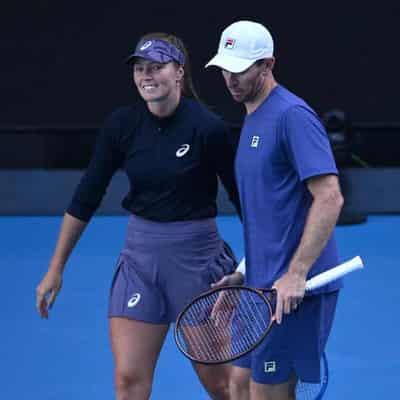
{"points": [[172, 163], [282, 144]]}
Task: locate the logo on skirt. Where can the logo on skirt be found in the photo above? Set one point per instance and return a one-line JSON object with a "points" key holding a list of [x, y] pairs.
{"points": [[134, 300]]}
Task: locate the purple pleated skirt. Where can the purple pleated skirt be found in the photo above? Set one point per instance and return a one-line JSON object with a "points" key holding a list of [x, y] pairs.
{"points": [[163, 266]]}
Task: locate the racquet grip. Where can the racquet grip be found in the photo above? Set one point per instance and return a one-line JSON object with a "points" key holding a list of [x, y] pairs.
{"points": [[335, 273], [242, 267]]}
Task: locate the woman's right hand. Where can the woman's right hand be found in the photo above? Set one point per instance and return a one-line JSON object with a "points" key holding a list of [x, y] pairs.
{"points": [[47, 291], [236, 278], [48, 288]]}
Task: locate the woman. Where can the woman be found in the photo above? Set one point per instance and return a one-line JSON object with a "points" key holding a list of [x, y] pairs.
{"points": [[172, 149]]}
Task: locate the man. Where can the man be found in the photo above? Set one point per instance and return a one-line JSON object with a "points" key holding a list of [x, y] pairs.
{"points": [[291, 199]]}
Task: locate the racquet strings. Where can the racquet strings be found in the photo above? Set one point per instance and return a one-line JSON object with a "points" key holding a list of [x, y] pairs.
{"points": [[314, 391], [223, 325]]}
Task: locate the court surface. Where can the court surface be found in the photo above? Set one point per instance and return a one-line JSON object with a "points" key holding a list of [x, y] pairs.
{"points": [[68, 357]]}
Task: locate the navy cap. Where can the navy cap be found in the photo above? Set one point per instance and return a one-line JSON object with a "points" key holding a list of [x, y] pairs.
{"points": [[157, 50]]}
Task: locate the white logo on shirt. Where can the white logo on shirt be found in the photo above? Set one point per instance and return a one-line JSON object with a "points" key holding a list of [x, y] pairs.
{"points": [[134, 300], [254, 141], [183, 149], [270, 367]]}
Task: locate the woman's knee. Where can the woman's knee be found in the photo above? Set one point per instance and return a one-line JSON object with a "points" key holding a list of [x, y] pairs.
{"points": [[136, 346], [132, 381]]}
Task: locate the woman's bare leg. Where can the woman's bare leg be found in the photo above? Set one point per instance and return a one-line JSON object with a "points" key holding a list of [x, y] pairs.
{"points": [[136, 346]]}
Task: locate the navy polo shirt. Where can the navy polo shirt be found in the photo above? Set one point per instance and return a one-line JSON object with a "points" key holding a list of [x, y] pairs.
{"points": [[172, 163]]}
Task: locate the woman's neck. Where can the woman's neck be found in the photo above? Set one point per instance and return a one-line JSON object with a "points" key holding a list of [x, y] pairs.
{"points": [[164, 108]]}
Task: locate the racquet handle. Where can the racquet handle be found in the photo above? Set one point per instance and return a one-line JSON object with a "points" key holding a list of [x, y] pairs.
{"points": [[334, 273]]}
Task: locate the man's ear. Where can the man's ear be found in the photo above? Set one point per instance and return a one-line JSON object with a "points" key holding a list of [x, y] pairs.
{"points": [[270, 63]]}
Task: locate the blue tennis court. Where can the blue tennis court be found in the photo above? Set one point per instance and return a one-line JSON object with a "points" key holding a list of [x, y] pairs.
{"points": [[68, 356]]}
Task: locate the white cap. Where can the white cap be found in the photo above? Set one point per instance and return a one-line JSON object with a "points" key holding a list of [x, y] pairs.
{"points": [[243, 43]]}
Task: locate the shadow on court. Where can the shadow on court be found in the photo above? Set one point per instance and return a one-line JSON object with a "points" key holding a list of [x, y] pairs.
{"points": [[68, 357]]}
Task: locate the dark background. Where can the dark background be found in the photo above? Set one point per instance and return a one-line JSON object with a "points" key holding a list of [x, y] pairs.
{"points": [[62, 63]]}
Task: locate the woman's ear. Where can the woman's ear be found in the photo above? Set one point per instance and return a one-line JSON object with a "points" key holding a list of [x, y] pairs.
{"points": [[180, 73]]}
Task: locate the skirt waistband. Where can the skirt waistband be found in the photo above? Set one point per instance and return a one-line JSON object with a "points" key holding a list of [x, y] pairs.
{"points": [[139, 224]]}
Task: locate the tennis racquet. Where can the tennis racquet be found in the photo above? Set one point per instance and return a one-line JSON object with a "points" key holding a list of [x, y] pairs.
{"points": [[314, 391], [228, 322]]}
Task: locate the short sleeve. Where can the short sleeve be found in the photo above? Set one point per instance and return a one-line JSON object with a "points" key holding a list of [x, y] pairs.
{"points": [[306, 143]]}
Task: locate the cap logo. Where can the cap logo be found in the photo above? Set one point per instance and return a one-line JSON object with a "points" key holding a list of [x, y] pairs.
{"points": [[229, 43], [146, 45]]}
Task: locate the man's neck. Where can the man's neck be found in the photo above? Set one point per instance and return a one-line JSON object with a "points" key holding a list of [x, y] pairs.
{"points": [[266, 90]]}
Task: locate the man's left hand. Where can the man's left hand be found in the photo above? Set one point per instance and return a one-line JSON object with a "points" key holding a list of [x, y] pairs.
{"points": [[290, 289]]}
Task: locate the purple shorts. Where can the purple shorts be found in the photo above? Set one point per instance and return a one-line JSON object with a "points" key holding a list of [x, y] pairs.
{"points": [[295, 346], [163, 266]]}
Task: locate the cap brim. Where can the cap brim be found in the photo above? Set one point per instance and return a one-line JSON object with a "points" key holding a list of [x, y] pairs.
{"points": [[131, 59], [229, 63], [154, 58]]}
